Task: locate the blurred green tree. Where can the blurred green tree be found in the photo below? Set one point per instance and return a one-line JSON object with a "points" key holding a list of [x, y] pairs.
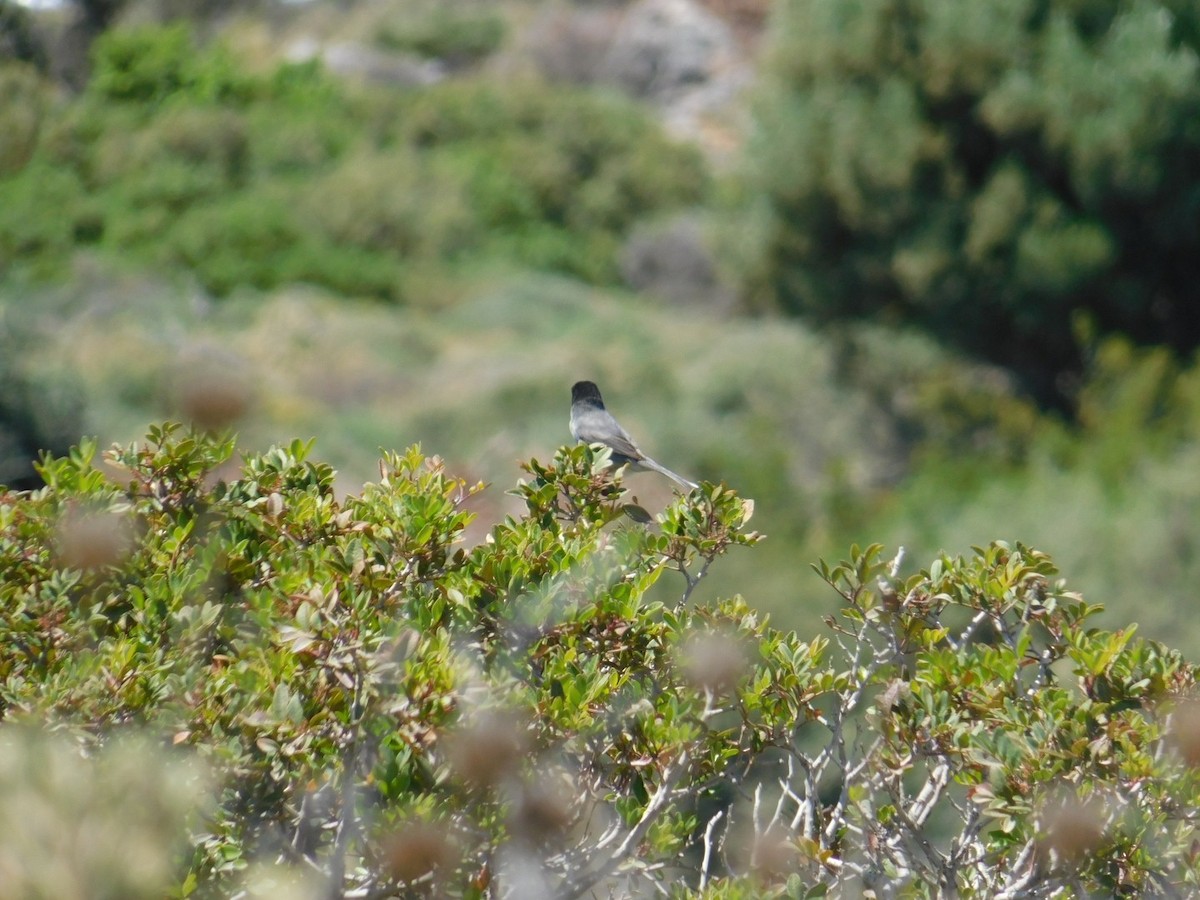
{"points": [[987, 170]]}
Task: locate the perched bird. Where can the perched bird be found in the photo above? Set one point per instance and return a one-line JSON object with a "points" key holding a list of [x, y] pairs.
{"points": [[591, 423]]}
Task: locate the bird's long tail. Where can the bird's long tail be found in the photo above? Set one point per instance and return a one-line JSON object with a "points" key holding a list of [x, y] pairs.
{"points": [[683, 482]]}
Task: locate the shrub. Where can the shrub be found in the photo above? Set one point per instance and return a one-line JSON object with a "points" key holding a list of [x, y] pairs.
{"points": [[151, 64], [261, 239], [987, 172], [175, 146], [589, 136], [43, 212], [400, 714], [289, 142], [346, 270], [398, 203], [1110, 498], [555, 175], [306, 119], [183, 156], [457, 35]]}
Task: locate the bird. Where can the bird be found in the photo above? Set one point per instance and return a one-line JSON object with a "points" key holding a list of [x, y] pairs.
{"points": [[591, 423]]}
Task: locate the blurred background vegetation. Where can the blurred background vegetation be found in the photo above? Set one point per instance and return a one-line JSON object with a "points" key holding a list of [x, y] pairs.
{"points": [[913, 271]]}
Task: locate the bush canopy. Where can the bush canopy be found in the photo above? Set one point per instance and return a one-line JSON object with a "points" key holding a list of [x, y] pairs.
{"points": [[390, 712]]}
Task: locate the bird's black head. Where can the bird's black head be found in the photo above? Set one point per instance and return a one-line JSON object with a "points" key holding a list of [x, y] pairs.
{"points": [[587, 392]]}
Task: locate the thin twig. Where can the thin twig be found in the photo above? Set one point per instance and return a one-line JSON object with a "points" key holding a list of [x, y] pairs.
{"points": [[658, 802], [706, 862]]}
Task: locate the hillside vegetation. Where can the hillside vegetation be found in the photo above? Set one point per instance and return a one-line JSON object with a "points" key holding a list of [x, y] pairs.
{"points": [[927, 285], [176, 156], [192, 224]]}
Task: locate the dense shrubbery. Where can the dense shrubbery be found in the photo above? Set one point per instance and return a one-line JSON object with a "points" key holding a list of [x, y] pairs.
{"points": [[380, 706], [457, 35], [1113, 497], [383, 710], [174, 155], [988, 171], [150, 65]]}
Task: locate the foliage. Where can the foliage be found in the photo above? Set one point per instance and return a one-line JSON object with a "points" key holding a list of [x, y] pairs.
{"points": [[452, 33], [1112, 497], [554, 175], [865, 432], [152, 63], [175, 155], [400, 714], [987, 172], [1041, 744]]}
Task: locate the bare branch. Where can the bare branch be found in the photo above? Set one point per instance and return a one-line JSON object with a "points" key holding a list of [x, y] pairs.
{"points": [[574, 887], [706, 862]]}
